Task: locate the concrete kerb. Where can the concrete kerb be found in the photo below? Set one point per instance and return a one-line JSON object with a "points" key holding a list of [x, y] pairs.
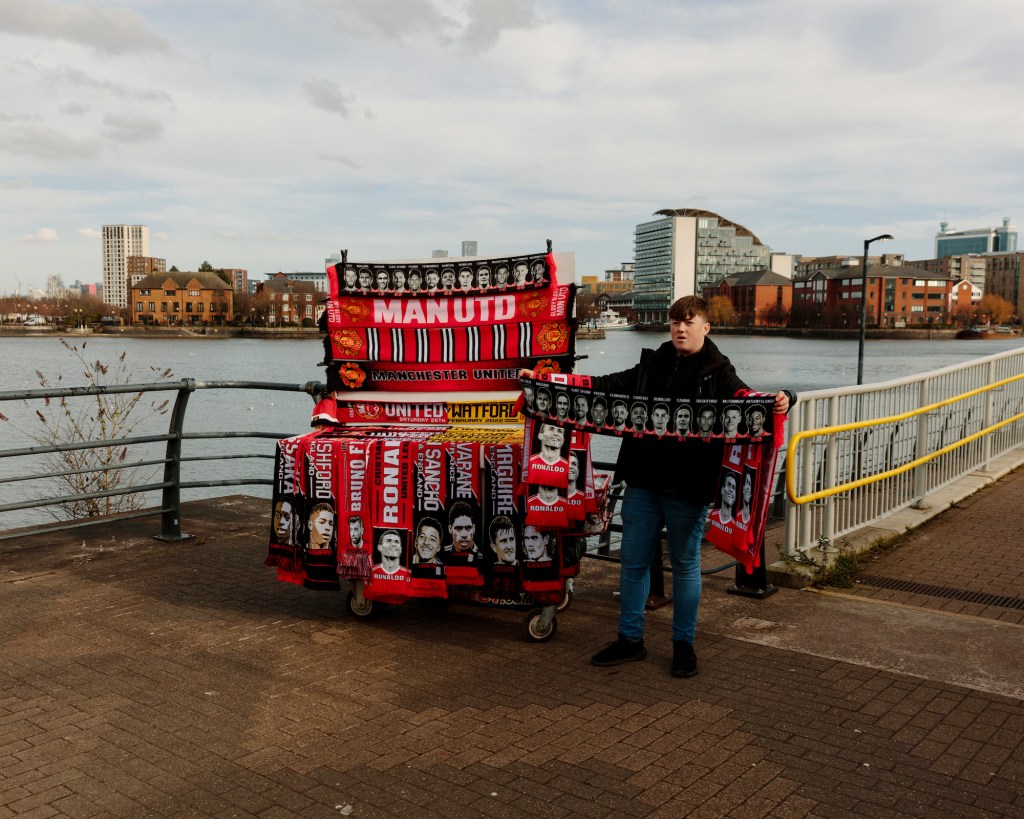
{"points": [[795, 575]]}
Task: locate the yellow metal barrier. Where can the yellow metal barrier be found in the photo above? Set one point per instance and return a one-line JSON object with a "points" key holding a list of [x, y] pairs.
{"points": [[891, 473]]}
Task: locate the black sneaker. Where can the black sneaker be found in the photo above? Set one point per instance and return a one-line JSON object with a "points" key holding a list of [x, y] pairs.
{"points": [[684, 661], [621, 651]]}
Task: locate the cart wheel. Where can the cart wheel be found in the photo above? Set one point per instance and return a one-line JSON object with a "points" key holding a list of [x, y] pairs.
{"points": [[367, 612], [535, 631], [566, 599]]}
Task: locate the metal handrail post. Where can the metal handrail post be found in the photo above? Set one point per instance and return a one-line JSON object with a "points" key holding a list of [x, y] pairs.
{"points": [[793, 511], [921, 447], [807, 474], [828, 512], [170, 518], [986, 442]]}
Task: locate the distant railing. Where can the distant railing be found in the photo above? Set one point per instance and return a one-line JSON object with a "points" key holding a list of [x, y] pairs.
{"points": [[171, 485], [881, 431]]}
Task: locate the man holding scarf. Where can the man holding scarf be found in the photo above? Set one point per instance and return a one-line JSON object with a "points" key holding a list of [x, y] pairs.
{"points": [[670, 483]]}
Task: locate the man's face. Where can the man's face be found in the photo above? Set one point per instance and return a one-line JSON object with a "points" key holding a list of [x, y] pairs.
{"points": [[428, 543], [323, 523], [543, 401], [463, 530], [638, 416], [599, 414], [483, 277], [465, 278], [748, 489], [688, 335], [683, 419], [551, 436], [414, 281], [755, 422], [562, 405], [390, 546], [619, 413], [350, 277], [581, 406], [520, 271], [501, 275], [547, 494], [505, 546], [283, 519], [399, 278], [528, 395], [355, 530], [574, 469], [448, 279], [431, 279], [706, 420], [382, 280], [731, 420], [533, 543], [365, 279], [659, 419], [729, 490]]}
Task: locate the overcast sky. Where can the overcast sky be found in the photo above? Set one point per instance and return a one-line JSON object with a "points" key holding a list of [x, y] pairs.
{"points": [[267, 134]]}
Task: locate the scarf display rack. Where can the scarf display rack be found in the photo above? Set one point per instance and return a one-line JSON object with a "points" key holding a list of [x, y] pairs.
{"points": [[420, 477]]}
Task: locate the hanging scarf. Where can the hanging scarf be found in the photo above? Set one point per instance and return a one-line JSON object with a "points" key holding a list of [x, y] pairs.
{"points": [[431, 413], [449, 311], [428, 576], [282, 551], [473, 275], [504, 375], [354, 557]]}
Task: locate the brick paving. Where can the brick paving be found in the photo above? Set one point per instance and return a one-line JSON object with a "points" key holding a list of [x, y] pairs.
{"points": [[146, 679]]}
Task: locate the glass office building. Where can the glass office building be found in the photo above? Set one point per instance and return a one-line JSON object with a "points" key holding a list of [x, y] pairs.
{"points": [[684, 252], [978, 240]]}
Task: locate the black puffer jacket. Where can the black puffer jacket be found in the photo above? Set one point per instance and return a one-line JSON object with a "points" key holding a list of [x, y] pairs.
{"points": [[689, 468]]}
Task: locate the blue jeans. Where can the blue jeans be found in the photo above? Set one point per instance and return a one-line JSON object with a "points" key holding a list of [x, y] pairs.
{"points": [[644, 513]]}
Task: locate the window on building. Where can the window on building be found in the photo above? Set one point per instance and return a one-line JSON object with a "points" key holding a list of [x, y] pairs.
{"points": [[934, 296], [917, 308], [144, 292], [188, 307], [194, 293], [163, 307], [152, 307], [177, 306], [138, 307], [170, 292], [200, 307]]}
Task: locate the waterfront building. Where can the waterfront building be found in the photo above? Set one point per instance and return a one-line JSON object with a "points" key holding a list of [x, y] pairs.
{"points": [[291, 300], [898, 296], [119, 243], [761, 298], [686, 251], [953, 242], [469, 247], [617, 280], [193, 298], [963, 295], [141, 266], [317, 278], [970, 266], [239, 279], [1002, 278]]}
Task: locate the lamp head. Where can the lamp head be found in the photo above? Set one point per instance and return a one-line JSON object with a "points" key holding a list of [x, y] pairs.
{"points": [[885, 237]]}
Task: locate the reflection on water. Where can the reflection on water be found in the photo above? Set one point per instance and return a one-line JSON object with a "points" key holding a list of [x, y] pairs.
{"points": [[766, 363]]}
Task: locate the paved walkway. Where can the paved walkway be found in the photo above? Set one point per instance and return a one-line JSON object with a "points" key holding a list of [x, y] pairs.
{"points": [[146, 679]]}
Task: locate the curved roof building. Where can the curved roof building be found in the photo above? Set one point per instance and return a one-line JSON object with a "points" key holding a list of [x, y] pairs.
{"points": [[685, 251]]}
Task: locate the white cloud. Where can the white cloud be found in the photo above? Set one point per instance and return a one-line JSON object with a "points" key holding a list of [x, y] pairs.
{"points": [[89, 233], [131, 129], [16, 184], [41, 235], [328, 95], [113, 30], [340, 159], [27, 135]]}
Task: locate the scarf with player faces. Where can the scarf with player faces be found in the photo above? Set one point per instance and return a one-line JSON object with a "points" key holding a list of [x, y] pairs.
{"points": [[496, 274], [751, 432]]}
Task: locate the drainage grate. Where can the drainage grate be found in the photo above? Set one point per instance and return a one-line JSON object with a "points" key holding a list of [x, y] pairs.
{"points": [[1001, 600]]}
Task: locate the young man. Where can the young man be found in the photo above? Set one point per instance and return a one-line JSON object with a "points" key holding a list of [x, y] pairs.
{"points": [[669, 482], [502, 535]]}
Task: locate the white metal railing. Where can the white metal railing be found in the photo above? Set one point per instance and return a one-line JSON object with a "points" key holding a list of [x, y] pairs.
{"points": [[827, 461]]}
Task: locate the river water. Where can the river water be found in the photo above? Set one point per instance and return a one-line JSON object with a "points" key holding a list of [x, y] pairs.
{"points": [[765, 363]]}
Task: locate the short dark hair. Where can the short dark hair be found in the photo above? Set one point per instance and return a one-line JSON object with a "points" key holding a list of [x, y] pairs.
{"points": [[689, 307]]}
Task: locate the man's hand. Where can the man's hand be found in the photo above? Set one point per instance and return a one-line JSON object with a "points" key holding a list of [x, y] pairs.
{"points": [[526, 373], [781, 402]]}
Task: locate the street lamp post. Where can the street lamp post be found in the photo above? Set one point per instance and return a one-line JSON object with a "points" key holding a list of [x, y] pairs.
{"points": [[885, 237]]}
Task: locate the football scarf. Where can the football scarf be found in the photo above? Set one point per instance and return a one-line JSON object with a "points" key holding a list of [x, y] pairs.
{"points": [[504, 375], [435, 345], [471, 275], [393, 463], [428, 577], [319, 554], [364, 312], [502, 521], [354, 557], [462, 555], [283, 535], [434, 413]]}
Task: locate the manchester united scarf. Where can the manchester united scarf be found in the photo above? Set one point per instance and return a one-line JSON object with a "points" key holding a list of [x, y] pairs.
{"points": [[476, 275], [456, 311], [752, 432], [427, 345], [504, 375]]}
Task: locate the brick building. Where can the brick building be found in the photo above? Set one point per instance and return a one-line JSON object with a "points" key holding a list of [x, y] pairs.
{"points": [[182, 298], [290, 301], [898, 295], [1003, 278], [760, 297]]}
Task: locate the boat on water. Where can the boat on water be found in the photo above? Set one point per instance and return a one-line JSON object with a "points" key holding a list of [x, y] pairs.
{"points": [[610, 320], [987, 331]]}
